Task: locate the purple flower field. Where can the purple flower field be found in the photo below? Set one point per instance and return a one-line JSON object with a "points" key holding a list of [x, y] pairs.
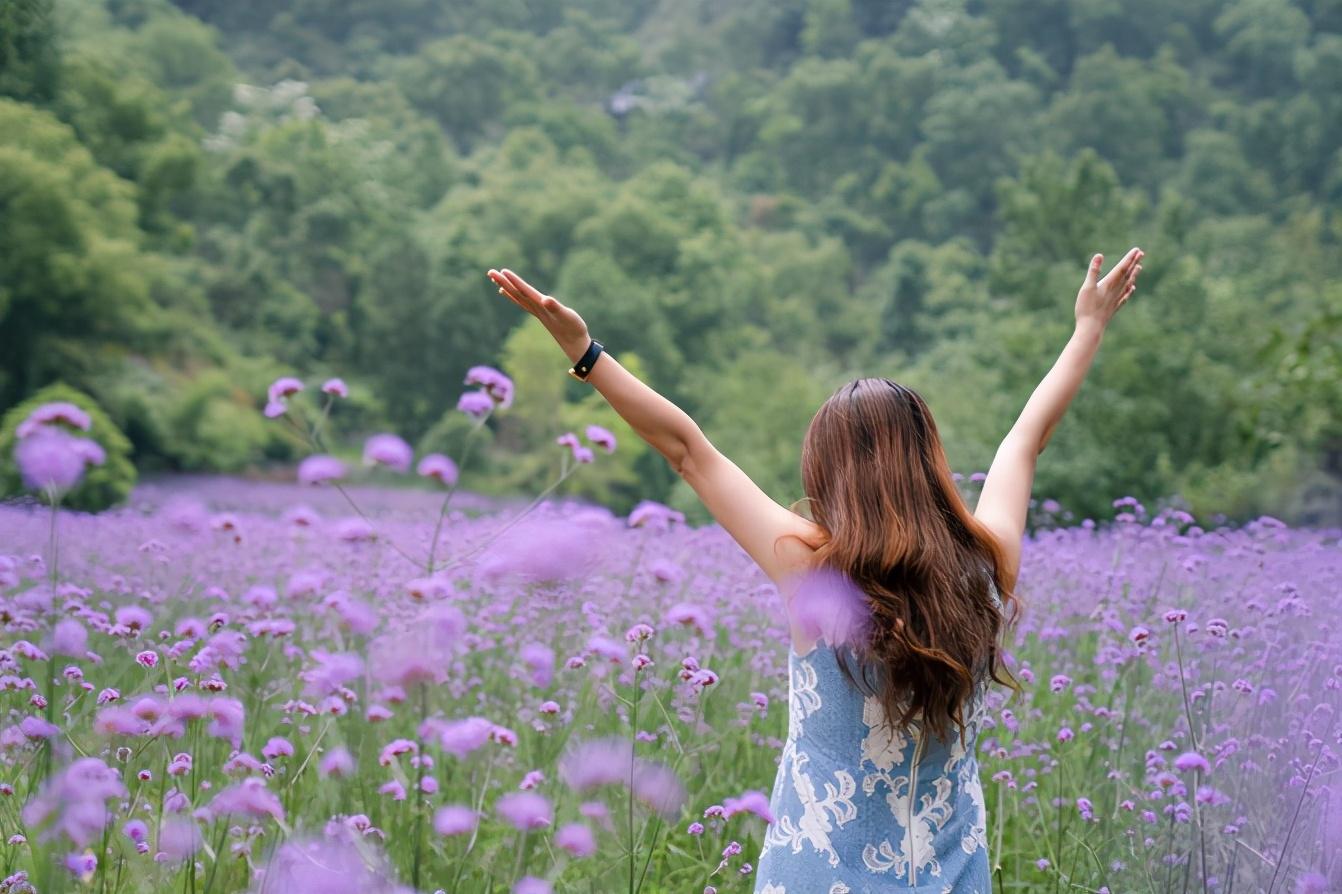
{"points": [[234, 686]]}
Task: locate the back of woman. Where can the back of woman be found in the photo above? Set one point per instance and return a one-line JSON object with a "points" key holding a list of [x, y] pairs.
{"points": [[860, 806]]}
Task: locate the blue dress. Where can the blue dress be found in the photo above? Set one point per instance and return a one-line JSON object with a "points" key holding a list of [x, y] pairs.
{"points": [[861, 809]]}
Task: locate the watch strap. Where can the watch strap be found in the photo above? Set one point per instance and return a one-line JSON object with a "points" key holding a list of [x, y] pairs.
{"points": [[583, 367]]}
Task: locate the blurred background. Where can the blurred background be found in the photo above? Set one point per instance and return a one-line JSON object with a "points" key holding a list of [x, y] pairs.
{"points": [[749, 201]]}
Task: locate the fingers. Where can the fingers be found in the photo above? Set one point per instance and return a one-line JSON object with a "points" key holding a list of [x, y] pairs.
{"points": [[524, 287], [510, 291], [1093, 271]]}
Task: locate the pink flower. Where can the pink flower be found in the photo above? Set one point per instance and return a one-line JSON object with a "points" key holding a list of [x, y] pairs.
{"points": [[57, 412], [601, 437], [438, 467], [529, 884], [335, 388], [319, 469], [53, 459], [388, 450], [493, 383], [577, 839], [476, 404], [147, 658], [337, 762], [525, 810], [248, 798], [454, 819], [752, 801]]}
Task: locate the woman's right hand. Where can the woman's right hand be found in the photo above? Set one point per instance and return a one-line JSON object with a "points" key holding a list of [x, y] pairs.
{"points": [[562, 322], [1099, 299]]}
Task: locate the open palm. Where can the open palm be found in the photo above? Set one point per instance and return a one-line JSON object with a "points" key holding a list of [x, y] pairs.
{"points": [[1100, 298], [561, 321]]}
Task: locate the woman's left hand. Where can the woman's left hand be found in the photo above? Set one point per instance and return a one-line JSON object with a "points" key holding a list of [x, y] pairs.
{"points": [[562, 322]]}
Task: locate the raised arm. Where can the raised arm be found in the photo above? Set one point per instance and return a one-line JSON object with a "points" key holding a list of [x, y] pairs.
{"points": [[1005, 498], [748, 514]]}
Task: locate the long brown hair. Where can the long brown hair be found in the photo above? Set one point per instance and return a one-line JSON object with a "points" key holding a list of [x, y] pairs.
{"points": [[879, 485]]}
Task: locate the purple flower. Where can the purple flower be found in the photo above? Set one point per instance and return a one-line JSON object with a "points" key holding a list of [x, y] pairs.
{"points": [[476, 404], [248, 798], [283, 387], [577, 839], [388, 450], [69, 637], [420, 653], [654, 515], [1191, 760], [332, 865], [337, 762], [179, 838], [529, 884], [319, 469], [494, 383], [74, 801], [525, 810], [438, 467], [454, 819], [57, 412], [601, 437], [53, 459], [752, 801], [828, 606], [335, 388], [461, 737]]}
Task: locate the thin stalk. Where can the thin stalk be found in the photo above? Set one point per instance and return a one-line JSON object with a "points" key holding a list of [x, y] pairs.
{"points": [[469, 442], [1304, 790], [457, 560]]}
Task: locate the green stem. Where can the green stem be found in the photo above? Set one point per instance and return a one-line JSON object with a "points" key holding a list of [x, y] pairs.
{"points": [[442, 510]]}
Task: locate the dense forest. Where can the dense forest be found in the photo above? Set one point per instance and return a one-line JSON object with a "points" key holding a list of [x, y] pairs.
{"points": [[750, 202]]}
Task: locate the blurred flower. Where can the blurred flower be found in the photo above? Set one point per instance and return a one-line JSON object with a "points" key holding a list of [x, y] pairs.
{"points": [[601, 437], [476, 404], [1191, 760], [57, 412], [494, 383], [454, 819], [335, 388], [53, 459], [651, 514], [319, 469], [388, 450], [577, 839], [525, 810], [755, 802], [248, 798], [828, 606], [74, 800], [438, 467], [529, 884], [334, 865]]}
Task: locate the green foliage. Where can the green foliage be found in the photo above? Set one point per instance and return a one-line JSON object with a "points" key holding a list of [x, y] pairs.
{"points": [[194, 192], [102, 486]]}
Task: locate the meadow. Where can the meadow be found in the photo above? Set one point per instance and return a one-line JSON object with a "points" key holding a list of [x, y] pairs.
{"points": [[230, 685]]}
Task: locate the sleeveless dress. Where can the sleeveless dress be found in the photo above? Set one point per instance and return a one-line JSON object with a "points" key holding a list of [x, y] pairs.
{"points": [[859, 809]]}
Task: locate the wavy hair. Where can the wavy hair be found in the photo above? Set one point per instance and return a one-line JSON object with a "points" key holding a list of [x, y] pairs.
{"points": [[879, 486]]}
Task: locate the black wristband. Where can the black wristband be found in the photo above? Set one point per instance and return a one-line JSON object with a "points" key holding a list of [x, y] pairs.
{"points": [[583, 367]]}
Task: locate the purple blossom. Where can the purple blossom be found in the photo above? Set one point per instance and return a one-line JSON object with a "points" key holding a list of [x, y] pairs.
{"points": [[53, 459], [525, 810], [72, 803], [438, 467], [1191, 760], [248, 798], [495, 384], [601, 437], [577, 839], [476, 404], [388, 450], [320, 469], [752, 801], [335, 388], [54, 413], [454, 819]]}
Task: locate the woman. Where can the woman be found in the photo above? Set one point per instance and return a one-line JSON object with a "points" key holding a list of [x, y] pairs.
{"points": [[875, 791]]}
